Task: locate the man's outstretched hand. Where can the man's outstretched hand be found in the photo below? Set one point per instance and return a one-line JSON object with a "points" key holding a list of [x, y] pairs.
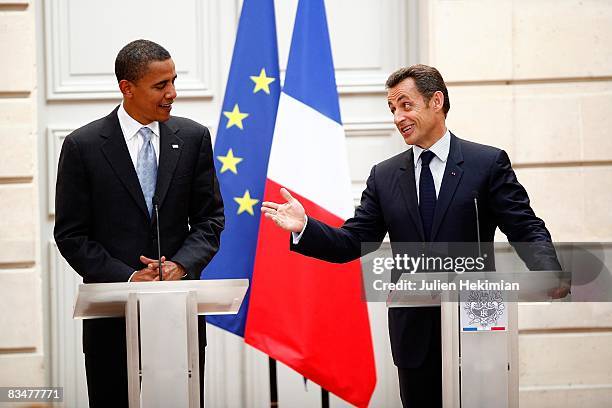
{"points": [[289, 216]]}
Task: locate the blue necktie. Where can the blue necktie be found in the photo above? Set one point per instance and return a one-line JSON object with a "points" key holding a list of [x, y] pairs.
{"points": [[146, 167], [427, 194]]}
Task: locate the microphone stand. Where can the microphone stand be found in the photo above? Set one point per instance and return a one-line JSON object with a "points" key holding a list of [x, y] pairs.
{"points": [[156, 207], [477, 223]]}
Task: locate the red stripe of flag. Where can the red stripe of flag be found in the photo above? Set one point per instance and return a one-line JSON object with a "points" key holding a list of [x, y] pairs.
{"points": [[310, 314]]}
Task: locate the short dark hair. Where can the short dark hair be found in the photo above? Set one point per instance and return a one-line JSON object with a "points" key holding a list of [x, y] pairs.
{"points": [[133, 59], [427, 80]]}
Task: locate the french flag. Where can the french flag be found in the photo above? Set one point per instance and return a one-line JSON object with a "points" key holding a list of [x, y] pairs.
{"points": [[310, 314]]}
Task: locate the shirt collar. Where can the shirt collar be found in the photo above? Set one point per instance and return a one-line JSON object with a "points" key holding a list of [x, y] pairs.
{"points": [[441, 149], [131, 126]]}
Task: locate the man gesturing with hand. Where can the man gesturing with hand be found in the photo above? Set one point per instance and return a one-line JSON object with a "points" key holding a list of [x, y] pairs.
{"points": [[289, 216], [424, 194]]}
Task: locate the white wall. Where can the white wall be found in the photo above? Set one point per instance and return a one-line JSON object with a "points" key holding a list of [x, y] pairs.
{"points": [[535, 77]]}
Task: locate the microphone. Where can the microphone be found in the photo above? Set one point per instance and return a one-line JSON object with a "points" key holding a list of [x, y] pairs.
{"points": [[156, 209], [475, 193]]}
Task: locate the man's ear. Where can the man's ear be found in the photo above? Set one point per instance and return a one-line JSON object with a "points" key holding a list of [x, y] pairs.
{"points": [[125, 87], [437, 101]]}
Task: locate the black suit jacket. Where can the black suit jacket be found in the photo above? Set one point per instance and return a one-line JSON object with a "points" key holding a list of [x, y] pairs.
{"points": [[389, 204], [102, 225]]}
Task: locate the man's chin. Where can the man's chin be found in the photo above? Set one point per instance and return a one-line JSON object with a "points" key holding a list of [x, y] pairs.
{"points": [[163, 118], [410, 140]]}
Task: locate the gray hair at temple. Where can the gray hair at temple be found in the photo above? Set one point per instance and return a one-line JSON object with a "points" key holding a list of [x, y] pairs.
{"points": [[133, 59], [427, 80]]}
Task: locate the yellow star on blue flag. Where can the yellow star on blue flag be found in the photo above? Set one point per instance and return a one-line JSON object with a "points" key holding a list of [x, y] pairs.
{"points": [[246, 203], [262, 82], [230, 162], [235, 117]]}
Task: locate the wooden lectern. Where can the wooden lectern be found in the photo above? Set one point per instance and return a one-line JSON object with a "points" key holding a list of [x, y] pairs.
{"points": [[162, 331]]}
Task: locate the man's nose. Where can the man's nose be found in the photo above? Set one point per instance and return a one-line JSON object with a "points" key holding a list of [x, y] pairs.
{"points": [[398, 117], [171, 94]]}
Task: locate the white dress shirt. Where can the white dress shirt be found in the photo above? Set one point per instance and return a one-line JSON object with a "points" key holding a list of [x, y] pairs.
{"points": [[440, 149], [130, 128], [437, 165], [133, 140]]}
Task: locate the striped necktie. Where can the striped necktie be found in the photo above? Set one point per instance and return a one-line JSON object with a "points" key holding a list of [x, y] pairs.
{"points": [[146, 167]]}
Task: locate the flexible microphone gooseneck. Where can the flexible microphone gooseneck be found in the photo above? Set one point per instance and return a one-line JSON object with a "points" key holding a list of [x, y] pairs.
{"points": [[477, 222], [156, 208]]}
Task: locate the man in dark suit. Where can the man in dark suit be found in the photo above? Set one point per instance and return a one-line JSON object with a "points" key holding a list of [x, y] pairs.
{"points": [[425, 194], [110, 174]]}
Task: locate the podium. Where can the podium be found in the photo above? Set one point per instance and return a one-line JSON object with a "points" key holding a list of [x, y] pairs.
{"points": [[161, 331], [479, 364]]}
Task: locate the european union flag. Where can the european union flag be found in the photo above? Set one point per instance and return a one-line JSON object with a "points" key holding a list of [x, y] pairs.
{"points": [[242, 147]]}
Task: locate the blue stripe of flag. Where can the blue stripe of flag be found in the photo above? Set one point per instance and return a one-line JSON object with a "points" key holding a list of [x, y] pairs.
{"points": [[310, 69]]}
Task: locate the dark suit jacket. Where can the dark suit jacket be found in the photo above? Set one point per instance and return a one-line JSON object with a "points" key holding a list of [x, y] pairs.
{"points": [[102, 225], [389, 204]]}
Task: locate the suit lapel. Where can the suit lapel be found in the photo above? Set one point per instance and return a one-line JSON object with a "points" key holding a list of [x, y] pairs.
{"points": [[408, 186], [452, 175], [116, 152], [170, 147]]}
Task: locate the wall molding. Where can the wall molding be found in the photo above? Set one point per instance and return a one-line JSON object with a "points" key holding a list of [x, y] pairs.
{"points": [[374, 127], [382, 129], [393, 53], [63, 84], [67, 358]]}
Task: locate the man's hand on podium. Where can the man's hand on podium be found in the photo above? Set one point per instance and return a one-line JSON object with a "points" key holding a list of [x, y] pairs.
{"points": [[289, 216], [144, 275], [171, 270], [562, 291]]}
